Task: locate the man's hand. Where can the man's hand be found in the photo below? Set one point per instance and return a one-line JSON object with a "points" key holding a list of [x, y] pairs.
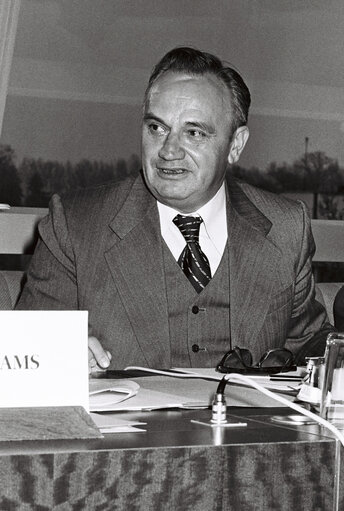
{"points": [[98, 358]]}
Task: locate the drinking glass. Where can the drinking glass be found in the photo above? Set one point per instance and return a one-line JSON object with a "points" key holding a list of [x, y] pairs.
{"points": [[332, 396]]}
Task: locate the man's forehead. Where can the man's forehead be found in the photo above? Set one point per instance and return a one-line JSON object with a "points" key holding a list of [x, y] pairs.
{"points": [[184, 85]]}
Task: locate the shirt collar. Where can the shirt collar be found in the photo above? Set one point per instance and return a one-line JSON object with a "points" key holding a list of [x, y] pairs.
{"points": [[213, 214]]}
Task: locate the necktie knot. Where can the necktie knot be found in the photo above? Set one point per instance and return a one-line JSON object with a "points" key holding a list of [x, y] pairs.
{"points": [[189, 227]]}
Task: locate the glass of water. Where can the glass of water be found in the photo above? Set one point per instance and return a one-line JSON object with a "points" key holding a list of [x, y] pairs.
{"points": [[332, 395]]}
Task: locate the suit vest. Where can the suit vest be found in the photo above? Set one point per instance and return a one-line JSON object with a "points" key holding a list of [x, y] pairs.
{"points": [[199, 326]]}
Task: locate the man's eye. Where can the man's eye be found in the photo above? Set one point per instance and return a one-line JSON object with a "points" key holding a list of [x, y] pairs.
{"points": [[196, 134], [156, 129]]}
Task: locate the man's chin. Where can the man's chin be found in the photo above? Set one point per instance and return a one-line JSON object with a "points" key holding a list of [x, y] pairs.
{"points": [[175, 188], [166, 198], [174, 192], [182, 202]]}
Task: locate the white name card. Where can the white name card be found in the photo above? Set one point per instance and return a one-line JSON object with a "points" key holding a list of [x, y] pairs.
{"points": [[44, 358]]}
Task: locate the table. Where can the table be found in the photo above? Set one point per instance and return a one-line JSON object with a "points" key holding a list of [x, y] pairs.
{"points": [[178, 465]]}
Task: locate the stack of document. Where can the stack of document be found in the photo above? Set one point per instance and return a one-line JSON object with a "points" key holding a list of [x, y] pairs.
{"points": [[288, 382], [176, 388], [112, 395], [108, 395]]}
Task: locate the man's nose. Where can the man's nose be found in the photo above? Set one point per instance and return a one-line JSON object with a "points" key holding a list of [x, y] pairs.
{"points": [[171, 148]]}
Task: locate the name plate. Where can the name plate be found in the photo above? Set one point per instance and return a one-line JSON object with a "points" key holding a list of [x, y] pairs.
{"points": [[44, 358]]}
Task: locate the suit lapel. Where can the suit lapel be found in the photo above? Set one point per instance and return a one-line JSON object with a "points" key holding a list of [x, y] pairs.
{"points": [[252, 264], [136, 264]]}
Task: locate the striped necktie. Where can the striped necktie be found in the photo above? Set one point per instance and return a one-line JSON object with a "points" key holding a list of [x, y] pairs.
{"points": [[192, 260]]}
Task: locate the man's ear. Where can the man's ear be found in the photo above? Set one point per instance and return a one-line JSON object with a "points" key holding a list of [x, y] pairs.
{"points": [[239, 139]]}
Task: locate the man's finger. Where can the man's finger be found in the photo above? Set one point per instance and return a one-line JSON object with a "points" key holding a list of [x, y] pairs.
{"points": [[101, 357]]}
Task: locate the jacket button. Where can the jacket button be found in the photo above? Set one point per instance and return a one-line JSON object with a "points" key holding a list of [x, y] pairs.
{"points": [[195, 309], [195, 348]]}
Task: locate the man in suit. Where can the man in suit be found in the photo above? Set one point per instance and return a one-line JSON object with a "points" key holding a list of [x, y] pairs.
{"points": [[176, 266]]}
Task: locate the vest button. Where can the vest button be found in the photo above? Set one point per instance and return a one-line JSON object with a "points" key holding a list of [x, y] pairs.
{"points": [[195, 309], [195, 348]]}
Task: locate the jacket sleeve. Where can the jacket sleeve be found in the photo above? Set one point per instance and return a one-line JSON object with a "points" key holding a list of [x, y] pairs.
{"points": [[51, 277], [309, 325]]}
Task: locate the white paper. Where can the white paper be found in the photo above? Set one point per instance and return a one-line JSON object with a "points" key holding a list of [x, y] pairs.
{"points": [[197, 390], [212, 374], [149, 399], [110, 423], [44, 358], [105, 393], [123, 429]]}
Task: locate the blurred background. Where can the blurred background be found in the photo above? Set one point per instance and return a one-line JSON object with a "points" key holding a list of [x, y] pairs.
{"points": [[77, 71]]}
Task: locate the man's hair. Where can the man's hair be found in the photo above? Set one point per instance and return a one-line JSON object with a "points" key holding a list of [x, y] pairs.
{"points": [[195, 62]]}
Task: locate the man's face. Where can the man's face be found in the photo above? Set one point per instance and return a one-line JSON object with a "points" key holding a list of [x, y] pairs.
{"points": [[186, 139]]}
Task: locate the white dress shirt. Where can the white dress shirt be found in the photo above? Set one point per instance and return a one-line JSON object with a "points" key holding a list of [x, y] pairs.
{"points": [[213, 229]]}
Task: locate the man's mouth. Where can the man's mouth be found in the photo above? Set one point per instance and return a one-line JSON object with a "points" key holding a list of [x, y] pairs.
{"points": [[171, 172]]}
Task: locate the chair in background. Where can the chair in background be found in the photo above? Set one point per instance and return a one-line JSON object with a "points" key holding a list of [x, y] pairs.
{"points": [[18, 236], [329, 241]]}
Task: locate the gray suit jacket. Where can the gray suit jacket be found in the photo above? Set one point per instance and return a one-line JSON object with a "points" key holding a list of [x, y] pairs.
{"points": [[101, 250]]}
